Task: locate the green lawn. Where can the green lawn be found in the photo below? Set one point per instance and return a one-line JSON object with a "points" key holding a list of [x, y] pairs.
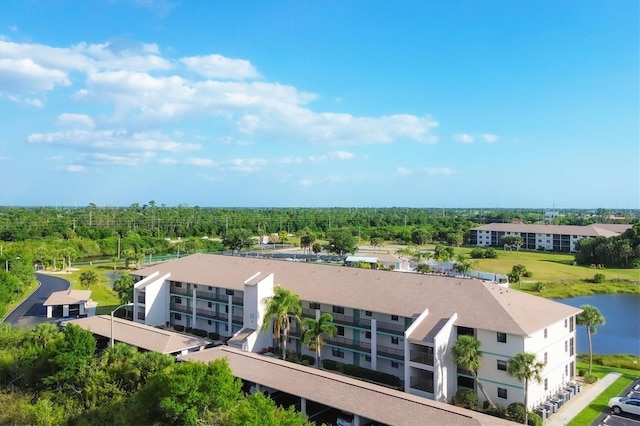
{"points": [[599, 404]]}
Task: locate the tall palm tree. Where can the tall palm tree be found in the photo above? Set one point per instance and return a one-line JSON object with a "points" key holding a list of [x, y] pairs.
{"points": [[591, 318], [315, 330], [280, 307], [523, 366], [466, 353]]}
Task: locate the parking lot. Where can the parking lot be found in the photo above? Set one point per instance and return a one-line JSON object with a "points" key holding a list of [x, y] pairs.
{"points": [[622, 419]]}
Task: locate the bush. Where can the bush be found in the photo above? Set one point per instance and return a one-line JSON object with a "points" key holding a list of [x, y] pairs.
{"points": [[188, 330], [332, 365], [178, 327], [199, 332], [534, 419], [307, 360], [477, 253], [590, 378], [515, 412], [214, 336], [599, 278], [466, 398], [527, 274], [539, 286], [490, 253], [499, 411]]}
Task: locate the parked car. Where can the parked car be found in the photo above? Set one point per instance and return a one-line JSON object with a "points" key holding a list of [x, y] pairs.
{"points": [[345, 420], [625, 405]]}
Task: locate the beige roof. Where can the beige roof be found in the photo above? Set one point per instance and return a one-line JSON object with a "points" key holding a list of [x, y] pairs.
{"points": [[139, 335], [595, 230], [478, 304], [371, 401], [68, 297]]}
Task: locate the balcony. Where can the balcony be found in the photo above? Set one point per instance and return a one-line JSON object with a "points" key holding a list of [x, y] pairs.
{"points": [[348, 343], [180, 308], [141, 316], [235, 319], [141, 299], [394, 353], [207, 313], [209, 295], [421, 384], [179, 290], [421, 357], [390, 327], [238, 301]]}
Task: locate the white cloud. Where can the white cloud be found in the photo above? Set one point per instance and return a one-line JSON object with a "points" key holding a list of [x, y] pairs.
{"points": [[200, 162], [217, 66], [305, 182], [463, 137], [75, 168], [402, 171], [489, 138], [432, 171], [167, 161], [68, 119], [290, 160], [243, 165], [341, 155], [24, 76]]}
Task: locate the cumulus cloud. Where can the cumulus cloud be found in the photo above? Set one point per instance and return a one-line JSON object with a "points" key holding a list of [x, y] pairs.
{"points": [[199, 162], [403, 171], [432, 171], [75, 168], [74, 120], [488, 138], [246, 165], [468, 138], [463, 137], [24, 76], [217, 66], [341, 155]]}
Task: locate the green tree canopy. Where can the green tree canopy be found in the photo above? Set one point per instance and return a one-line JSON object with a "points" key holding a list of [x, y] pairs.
{"points": [[523, 366], [591, 318]]}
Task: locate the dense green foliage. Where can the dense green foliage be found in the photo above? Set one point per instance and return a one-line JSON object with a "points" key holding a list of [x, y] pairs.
{"points": [[622, 251], [53, 376]]}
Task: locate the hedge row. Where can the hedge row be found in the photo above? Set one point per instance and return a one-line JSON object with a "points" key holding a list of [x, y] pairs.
{"points": [[362, 373], [197, 332]]}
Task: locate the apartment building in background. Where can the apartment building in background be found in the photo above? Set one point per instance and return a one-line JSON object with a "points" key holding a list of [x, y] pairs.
{"points": [[399, 323], [560, 238]]}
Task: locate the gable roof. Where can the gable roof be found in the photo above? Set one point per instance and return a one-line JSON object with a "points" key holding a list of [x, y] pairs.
{"points": [[594, 230], [478, 304], [68, 297]]}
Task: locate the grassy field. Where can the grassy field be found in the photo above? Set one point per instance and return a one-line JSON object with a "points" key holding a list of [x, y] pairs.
{"points": [[595, 409]]}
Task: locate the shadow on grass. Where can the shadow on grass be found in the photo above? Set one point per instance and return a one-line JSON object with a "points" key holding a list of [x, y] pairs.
{"points": [[561, 262]]}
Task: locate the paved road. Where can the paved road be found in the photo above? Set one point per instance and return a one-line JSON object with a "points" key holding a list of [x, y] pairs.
{"points": [[31, 312]]}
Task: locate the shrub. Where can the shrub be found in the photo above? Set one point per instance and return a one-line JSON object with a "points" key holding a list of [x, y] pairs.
{"points": [[477, 253], [534, 419], [188, 329], [599, 278], [499, 411], [527, 274], [590, 378], [307, 360], [580, 372], [539, 286], [178, 327], [330, 364], [466, 398], [199, 332], [490, 253], [214, 336], [515, 411]]}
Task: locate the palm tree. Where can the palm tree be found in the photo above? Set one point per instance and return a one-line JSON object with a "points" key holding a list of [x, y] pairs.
{"points": [[280, 307], [315, 330], [466, 353], [591, 318], [523, 366]]}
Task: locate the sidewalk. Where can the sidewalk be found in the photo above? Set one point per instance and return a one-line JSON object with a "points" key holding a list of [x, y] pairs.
{"points": [[579, 402]]}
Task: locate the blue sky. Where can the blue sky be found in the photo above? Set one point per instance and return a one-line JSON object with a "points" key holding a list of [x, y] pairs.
{"points": [[451, 103]]}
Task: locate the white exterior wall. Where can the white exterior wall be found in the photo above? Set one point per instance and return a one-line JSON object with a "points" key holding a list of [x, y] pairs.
{"points": [[254, 309], [444, 370], [156, 308]]}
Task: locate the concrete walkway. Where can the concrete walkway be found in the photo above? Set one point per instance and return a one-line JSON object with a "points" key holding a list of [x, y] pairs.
{"points": [[579, 402]]}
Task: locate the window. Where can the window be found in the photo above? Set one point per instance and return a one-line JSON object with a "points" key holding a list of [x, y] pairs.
{"points": [[178, 300], [177, 317], [502, 393], [502, 337], [210, 288], [340, 330], [338, 310], [546, 359], [209, 305], [502, 365], [571, 347], [566, 370], [337, 353], [566, 323], [314, 305], [178, 285], [208, 322], [226, 309], [368, 313], [571, 324], [394, 318], [545, 333], [229, 292], [394, 340], [566, 346], [546, 384], [367, 358], [394, 364], [367, 335]]}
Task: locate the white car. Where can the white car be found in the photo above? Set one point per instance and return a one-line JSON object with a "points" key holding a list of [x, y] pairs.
{"points": [[625, 405]]}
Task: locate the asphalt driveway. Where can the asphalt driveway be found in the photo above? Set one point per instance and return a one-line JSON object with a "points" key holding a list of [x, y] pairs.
{"points": [[31, 312]]}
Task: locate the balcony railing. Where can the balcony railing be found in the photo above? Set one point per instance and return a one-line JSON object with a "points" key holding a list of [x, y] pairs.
{"points": [[208, 295], [390, 327], [421, 357], [212, 314], [237, 319], [348, 343], [238, 301], [180, 290], [391, 352], [141, 300], [425, 385], [180, 308], [141, 316]]}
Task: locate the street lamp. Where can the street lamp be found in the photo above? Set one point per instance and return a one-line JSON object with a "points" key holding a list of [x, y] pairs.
{"points": [[6, 264], [112, 312]]}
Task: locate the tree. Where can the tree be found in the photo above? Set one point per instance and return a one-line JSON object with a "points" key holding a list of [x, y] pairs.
{"points": [[590, 317], [124, 287], [516, 273], [466, 353], [279, 308], [237, 239], [342, 241], [376, 242], [523, 366], [462, 264], [316, 248], [423, 268], [315, 330], [420, 236], [510, 241], [306, 241], [88, 278]]}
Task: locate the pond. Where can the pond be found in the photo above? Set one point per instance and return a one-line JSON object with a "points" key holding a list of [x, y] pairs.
{"points": [[621, 333]]}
